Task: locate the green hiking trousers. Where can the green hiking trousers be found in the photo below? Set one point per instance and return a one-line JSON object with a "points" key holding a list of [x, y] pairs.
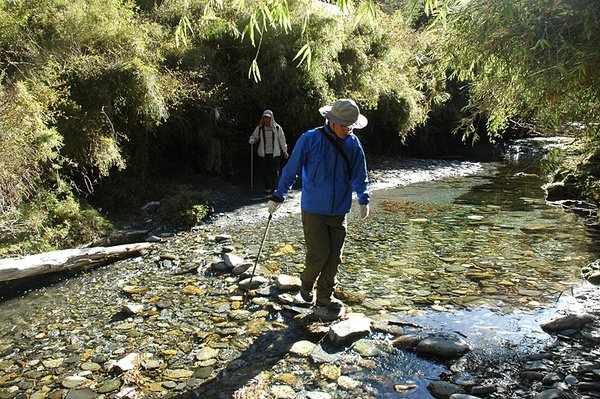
{"points": [[324, 237]]}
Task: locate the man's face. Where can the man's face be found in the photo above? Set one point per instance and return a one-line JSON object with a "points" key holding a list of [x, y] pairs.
{"points": [[340, 130], [266, 120]]}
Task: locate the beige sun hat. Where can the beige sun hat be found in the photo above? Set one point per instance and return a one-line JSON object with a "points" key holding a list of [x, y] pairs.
{"points": [[344, 112]]}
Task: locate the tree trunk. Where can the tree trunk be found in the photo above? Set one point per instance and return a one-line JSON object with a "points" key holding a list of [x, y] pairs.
{"points": [[65, 260]]}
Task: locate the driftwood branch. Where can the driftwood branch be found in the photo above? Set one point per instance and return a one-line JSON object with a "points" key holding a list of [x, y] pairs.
{"points": [[65, 260]]}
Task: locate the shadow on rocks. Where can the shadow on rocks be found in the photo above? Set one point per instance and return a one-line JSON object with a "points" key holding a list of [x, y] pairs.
{"points": [[266, 350]]}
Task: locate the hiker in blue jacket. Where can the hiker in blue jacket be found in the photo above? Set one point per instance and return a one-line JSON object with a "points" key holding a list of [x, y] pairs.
{"points": [[332, 162]]}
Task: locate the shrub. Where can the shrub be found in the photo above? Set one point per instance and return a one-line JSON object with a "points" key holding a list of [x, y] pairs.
{"points": [[185, 209]]}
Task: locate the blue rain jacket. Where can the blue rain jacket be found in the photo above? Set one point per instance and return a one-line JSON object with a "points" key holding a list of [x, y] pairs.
{"points": [[326, 186]]}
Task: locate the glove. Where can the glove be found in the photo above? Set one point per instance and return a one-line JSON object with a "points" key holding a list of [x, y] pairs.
{"points": [[364, 211], [272, 206]]}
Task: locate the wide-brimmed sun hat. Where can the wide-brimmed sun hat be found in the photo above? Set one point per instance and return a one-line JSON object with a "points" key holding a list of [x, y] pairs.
{"points": [[344, 112]]}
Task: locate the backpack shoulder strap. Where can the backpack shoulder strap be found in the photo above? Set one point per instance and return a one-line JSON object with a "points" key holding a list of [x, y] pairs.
{"points": [[339, 148]]}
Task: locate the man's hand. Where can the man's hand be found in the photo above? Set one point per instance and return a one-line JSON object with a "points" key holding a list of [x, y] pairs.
{"points": [[272, 206], [285, 155], [252, 140], [364, 211]]}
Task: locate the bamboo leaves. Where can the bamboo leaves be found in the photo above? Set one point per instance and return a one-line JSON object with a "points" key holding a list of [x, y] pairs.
{"points": [[183, 31], [305, 54]]}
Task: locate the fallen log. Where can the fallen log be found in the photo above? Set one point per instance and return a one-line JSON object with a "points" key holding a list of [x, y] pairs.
{"points": [[65, 260]]}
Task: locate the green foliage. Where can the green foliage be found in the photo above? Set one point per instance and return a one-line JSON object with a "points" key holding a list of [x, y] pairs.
{"points": [[28, 144], [552, 161], [50, 221], [527, 61], [185, 209]]}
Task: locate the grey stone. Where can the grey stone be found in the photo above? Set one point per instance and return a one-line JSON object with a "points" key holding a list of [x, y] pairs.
{"points": [[109, 386], [81, 394], [440, 346], [549, 394], [371, 348], [576, 321], [319, 355], [257, 281], [443, 389], [483, 389]]}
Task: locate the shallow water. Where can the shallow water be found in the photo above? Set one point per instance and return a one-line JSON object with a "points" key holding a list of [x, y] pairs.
{"points": [[482, 255], [477, 252]]}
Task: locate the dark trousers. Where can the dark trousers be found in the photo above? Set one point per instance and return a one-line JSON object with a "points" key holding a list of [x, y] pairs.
{"points": [[270, 170], [324, 237]]}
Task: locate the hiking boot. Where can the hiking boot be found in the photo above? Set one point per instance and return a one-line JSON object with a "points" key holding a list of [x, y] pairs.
{"points": [[332, 303], [303, 299], [307, 295]]}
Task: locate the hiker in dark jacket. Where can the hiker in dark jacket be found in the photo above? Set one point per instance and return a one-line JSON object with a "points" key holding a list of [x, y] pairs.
{"points": [[271, 145], [332, 162]]}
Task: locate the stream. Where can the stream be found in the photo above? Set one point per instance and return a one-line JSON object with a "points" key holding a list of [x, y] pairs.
{"points": [[466, 247]]}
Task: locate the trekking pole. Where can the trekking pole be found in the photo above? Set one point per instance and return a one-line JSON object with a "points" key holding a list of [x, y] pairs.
{"points": [[251, 167], [259, 253]]}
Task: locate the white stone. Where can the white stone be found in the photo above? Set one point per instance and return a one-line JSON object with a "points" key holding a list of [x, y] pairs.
{"points": [[232, 260], [350, 329], [347, 382], [129, 362], [257, 281], [133, 308], [287, 283], [317, 395]]}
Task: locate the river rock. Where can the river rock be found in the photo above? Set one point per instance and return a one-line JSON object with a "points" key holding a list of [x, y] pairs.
{"points": [[302, 348], [320, 355], [463, 396], [232, 260], [133, 308], [325, 314], [387, 326], [90, 366], [109, 386], [349, 330], [370, 347], [206, 354], [440, 346], [81, 394], [219, 266], [329, 371], [317, 395], [222, 237], [241, 269], [574, 320], [408, 341], [129, 362], [288, 283], [443, 389], [549, 394], [74, 381], [483, 390], [347, 382], [283, 392], [257, 281], [177, 374]]}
